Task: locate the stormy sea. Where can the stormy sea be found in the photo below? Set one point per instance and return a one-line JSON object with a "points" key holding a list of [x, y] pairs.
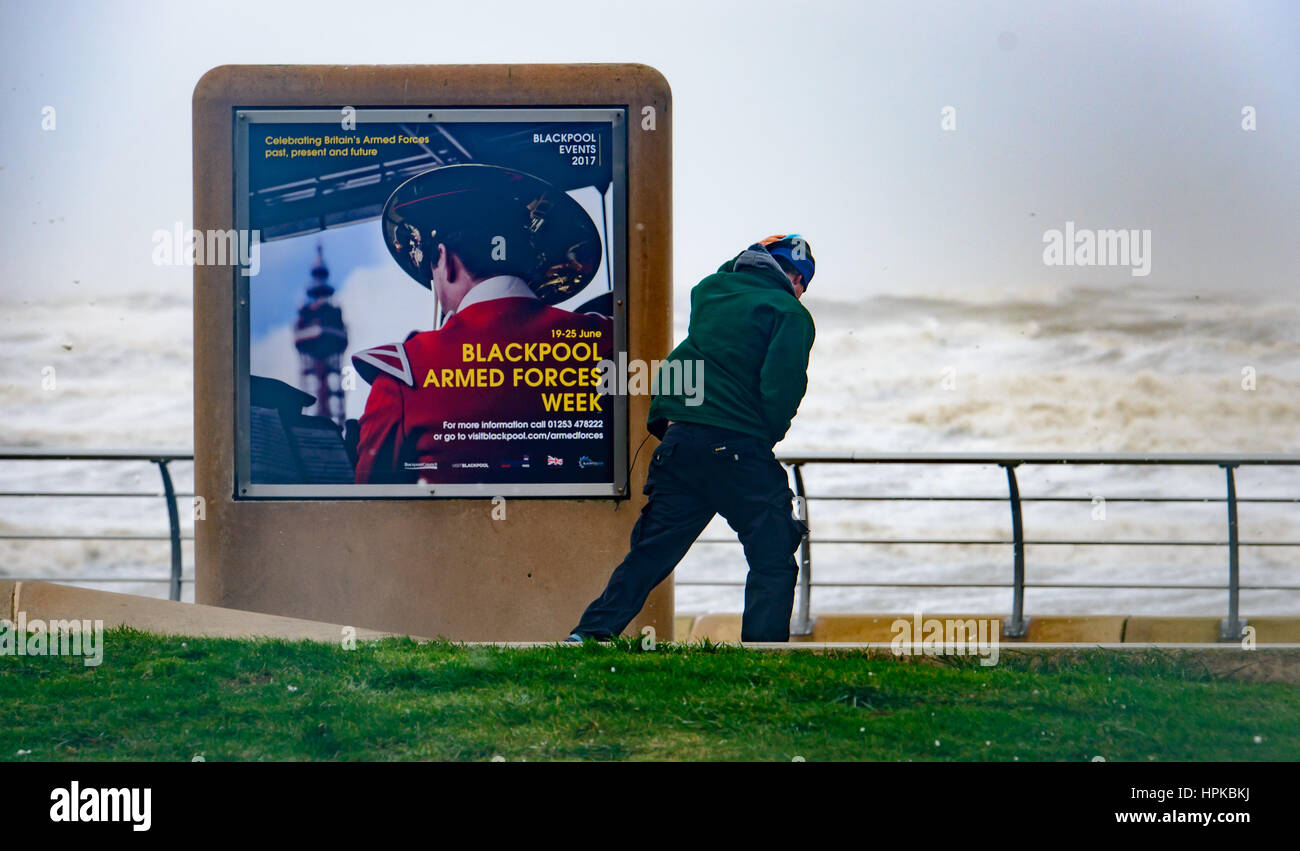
{"points": [[1131, 369]]}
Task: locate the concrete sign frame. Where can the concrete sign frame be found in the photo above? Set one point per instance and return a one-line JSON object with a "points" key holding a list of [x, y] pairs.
{"points": [[468, 569]]}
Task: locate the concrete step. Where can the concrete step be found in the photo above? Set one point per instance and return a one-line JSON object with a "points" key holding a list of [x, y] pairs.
{"points": [[49, 601]]}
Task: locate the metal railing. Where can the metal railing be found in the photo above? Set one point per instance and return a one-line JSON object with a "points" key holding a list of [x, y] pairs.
{"points": [[168, 494], [1016, 625], [1231, 627]]}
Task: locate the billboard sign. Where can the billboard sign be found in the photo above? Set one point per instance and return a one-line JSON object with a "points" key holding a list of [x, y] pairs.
{"points": [[428, 302]]}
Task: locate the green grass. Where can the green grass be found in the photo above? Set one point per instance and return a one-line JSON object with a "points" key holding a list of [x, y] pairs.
{"points": [[169, 698]]}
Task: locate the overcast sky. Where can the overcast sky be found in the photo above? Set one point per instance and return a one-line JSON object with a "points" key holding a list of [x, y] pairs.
{"points": [[823, 118]]}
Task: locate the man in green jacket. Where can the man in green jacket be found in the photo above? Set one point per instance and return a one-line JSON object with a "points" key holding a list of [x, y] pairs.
{"points": [[749, 340]]}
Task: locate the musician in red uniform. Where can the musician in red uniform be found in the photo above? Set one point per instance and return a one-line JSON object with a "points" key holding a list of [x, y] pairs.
{"points": [[462, 403]]}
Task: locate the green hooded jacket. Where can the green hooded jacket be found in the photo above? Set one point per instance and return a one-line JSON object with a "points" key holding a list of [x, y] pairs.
{"points": [[752, 337]]}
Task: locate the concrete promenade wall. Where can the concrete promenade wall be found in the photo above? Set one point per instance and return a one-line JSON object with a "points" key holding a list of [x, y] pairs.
{"points": [[47, 601], [1053, 629]]}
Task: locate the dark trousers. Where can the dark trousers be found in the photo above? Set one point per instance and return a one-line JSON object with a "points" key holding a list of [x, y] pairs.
{"points": [[696, 472]]}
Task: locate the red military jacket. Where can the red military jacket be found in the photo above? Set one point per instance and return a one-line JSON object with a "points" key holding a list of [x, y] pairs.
{"points": [[482, 399]]}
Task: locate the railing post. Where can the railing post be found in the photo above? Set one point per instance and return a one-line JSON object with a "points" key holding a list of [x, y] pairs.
{"points": [[173, 518], [1017, 625], [1232, 627], [802, 623]]}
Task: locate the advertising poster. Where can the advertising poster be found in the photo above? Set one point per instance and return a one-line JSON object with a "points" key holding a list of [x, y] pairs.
{"points": [[428, 301]]}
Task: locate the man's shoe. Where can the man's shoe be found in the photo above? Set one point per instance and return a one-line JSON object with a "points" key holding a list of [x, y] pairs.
{"points": [[573, 638]]}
